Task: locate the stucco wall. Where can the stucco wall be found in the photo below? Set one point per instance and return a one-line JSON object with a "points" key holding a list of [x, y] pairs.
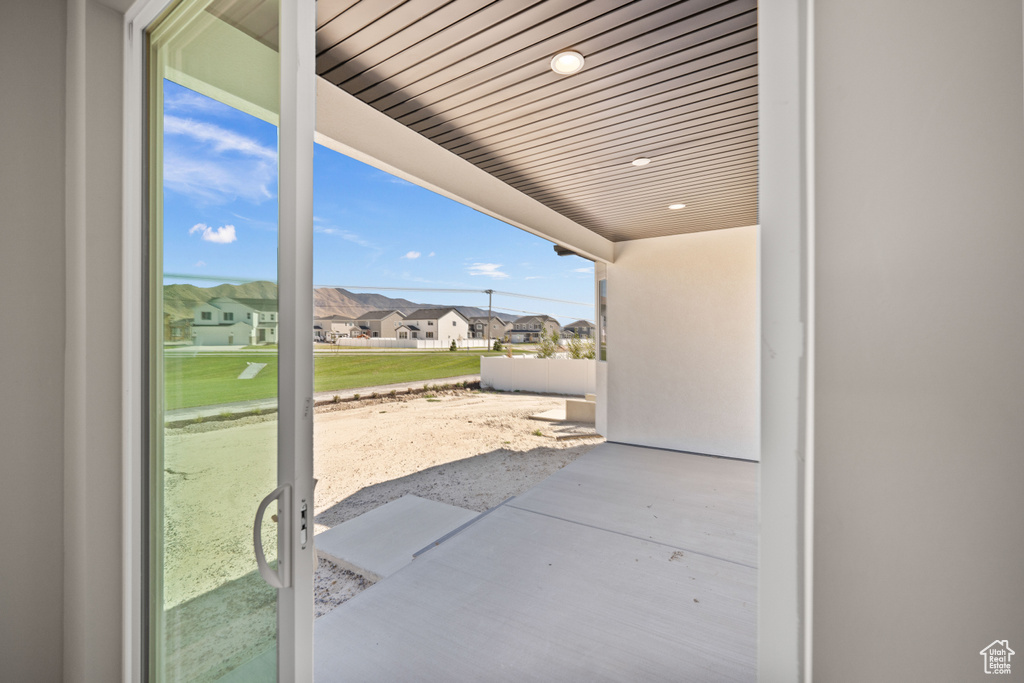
{"points": [[32, 364], [695, 385], [571, 377], [919, 436]]}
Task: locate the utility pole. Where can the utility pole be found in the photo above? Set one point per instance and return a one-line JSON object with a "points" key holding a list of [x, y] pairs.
{"points": [[490, 292]]}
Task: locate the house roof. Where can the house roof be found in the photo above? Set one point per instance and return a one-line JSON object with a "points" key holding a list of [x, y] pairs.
{"points": [[433, 314], [377, 315], [580, 323], [261, 305], [534, 319]]}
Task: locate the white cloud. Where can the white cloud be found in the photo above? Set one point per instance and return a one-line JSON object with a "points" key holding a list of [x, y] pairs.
{"points": [[343, 234], [221, 139], [430, 254], [192, 102], [412, 255], [488, 269], [534, 277], [219, 181], [225, 234], [199, 264], [214, 164], [588, 269]]}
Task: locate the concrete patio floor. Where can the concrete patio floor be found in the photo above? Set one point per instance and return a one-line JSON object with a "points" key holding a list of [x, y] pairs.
{"points": [[630, 564]]}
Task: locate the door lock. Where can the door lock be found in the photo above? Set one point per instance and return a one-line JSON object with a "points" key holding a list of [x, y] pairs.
{"points": [[303, 528]]}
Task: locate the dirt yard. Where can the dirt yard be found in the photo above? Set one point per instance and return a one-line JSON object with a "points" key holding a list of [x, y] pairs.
{"points": [[469, 449], [466, 448]]}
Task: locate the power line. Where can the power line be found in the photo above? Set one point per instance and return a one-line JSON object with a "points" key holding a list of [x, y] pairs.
{"points": [[474, 291], [223, 279], [544, 298], [229, 280]]}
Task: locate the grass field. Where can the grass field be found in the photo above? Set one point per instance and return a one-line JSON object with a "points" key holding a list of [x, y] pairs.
{"points": [[210, 379]]}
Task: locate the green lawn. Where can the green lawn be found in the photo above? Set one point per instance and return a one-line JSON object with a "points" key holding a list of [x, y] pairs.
{"points": [[213, 378]]}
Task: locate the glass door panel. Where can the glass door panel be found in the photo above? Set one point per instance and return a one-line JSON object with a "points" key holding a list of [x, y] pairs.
{"points": [[213, 91]]}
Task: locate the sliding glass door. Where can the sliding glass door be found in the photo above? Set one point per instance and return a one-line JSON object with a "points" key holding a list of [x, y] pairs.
{"points": [[229, 488]]}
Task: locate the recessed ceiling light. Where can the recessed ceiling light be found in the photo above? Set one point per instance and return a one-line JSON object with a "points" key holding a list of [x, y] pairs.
{"points": [[642, 161], [676, 206], [567, 62]]}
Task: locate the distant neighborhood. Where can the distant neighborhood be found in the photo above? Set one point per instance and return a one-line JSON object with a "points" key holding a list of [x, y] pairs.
{"points": [[444, 324], [252, 321]]}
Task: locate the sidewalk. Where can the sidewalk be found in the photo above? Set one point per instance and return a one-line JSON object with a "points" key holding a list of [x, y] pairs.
{"points": [[182, 414]]}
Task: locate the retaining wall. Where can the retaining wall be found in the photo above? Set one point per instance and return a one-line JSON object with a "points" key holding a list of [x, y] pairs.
{"points": [[545, 375]]}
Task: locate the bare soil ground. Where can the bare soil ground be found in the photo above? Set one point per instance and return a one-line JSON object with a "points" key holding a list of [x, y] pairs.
{"points": [[469, 449], [466, 448]]}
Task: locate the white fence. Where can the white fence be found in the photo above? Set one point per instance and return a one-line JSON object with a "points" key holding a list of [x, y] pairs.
{"points": [[544, 375], [391, 343]]}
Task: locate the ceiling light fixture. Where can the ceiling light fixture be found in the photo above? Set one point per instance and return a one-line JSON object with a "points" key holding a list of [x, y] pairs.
{"points": [[642, 161], [567, 62], [676, 206]]}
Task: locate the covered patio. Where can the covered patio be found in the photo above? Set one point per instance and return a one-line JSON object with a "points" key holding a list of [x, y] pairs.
{"points": [[631, 563]]}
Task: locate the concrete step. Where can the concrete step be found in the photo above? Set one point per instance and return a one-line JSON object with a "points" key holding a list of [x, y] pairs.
{"points": [[382, 541]]}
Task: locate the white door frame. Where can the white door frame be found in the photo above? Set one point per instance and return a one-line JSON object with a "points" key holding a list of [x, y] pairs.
{"points": [[787, 305], [295, 353], [786, 208]]}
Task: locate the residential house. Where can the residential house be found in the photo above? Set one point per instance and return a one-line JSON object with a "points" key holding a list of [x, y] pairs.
{"points": [[579, 328], [379, 324], [884, 169], [531, 328], [180, 330], [478, 327], [227, 321], [407, 331], [336, 327], [442, 324]]}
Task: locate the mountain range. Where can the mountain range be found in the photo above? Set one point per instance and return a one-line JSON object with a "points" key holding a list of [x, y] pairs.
{"points": [[179, 300]]}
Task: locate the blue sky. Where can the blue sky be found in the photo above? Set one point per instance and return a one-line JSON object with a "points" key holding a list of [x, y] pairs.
{"points": [[371, 229]]}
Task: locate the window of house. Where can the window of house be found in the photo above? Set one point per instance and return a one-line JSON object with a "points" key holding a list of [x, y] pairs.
{"points": [[229, 316], [376, 334], [206, 315], [430, 322], [271, 317], [453, 323], [430, 335]]}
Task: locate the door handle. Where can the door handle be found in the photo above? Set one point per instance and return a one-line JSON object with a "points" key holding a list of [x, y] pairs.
{"points": [[282, 577]]}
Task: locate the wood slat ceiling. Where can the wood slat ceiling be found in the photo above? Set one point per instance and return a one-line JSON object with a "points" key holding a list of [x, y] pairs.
{"points": [[672, 81]]}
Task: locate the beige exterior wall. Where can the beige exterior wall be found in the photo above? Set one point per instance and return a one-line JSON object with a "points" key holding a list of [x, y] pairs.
{"points": [[919, 379], [449, 327], [701, 393], [32, 279], [385, 327], [498, 328]]}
